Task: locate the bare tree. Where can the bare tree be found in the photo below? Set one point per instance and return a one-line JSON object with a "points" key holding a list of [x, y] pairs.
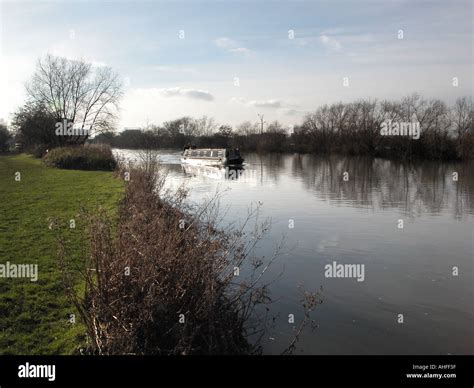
{"points": [[77, 92], [391, 110], [276, 127], [184, 126], [432, 115], [246, 128], [205, 126], [462, 116]]}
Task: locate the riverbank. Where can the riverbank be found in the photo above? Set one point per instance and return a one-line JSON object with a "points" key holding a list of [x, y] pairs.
{"points": [[34, 316], [167, 280]]}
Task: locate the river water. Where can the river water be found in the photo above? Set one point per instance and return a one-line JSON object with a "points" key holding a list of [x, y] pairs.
{"points": [[416, 293]]}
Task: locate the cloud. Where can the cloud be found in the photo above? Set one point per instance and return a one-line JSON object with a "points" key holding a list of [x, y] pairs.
{"points": [[240, 50], [98, 64], [329, 42], [239, 100], [173, 69], [72, 50], [272, 103], [195, 94], [294, 112], [291, 112], [266, 103], [334, 31], [302, 42], [231, 46], [225, 43]]}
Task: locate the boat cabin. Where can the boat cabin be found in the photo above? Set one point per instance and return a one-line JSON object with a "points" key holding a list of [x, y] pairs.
{"points": [[212, 155]]}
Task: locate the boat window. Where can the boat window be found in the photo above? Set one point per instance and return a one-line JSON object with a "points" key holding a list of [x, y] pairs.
{"points": [[220, 153], [194, 153]]}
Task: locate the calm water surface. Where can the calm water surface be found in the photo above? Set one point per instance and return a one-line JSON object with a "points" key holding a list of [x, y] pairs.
{"points": [[408, 271]]}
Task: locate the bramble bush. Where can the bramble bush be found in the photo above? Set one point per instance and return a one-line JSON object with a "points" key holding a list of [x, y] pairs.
{"points": [[83, 157]]}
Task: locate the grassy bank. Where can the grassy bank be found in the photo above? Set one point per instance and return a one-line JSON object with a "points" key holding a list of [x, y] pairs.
{"points": [[34, 315]]}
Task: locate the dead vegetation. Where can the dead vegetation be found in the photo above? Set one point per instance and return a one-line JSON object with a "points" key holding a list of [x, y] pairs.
{"points": [[165, 279]]}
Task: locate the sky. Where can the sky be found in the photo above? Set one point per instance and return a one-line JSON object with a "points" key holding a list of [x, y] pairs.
{"points": [[234, 60]]}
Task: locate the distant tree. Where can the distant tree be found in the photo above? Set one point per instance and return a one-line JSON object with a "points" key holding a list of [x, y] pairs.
{"points": [[391, 110], [205, 126], [5, 136], [34, 125], [183, 126], [462, 116], [433, 115], [225, 131], [320, 128], [246, 128], [276, 127], [77, 92], [105, 138]]}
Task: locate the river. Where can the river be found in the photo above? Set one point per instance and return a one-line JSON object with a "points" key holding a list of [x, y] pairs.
{"points": [[416, 295]]}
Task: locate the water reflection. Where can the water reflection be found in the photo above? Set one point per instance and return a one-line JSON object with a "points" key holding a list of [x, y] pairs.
{"points": [[214, 172], [413, 188]]}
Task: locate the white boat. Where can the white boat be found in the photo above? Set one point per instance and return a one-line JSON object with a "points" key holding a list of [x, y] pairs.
{"points": [[212, 156]]}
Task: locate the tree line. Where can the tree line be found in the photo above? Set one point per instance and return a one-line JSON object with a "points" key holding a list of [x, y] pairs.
{"points": [[348, 128]]}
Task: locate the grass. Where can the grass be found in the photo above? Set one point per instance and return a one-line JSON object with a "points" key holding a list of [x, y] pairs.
{"points": [[34, 315]]}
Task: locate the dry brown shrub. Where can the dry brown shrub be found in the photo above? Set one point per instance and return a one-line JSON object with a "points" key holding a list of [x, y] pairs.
{"points": [[162, 261]]}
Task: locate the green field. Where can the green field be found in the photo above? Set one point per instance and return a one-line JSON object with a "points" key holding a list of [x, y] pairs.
{"points": [[34, 315]]}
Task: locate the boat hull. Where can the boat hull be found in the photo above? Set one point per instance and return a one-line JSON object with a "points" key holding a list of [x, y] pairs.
{"points": [[211, 162]]}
